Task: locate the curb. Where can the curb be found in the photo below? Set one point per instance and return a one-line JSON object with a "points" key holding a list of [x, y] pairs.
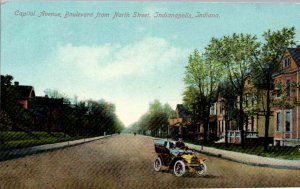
{"points": [[247, 159], [16, 153], [284, 165]]}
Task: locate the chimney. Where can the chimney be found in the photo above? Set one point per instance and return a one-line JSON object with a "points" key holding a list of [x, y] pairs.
{"points": [[16, 83]]}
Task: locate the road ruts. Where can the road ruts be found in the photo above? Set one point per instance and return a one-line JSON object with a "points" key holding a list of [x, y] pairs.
{"points": [[125, 161]]}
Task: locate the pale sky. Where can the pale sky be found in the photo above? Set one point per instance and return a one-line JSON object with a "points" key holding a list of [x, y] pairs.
{"points": [[127, 61]]}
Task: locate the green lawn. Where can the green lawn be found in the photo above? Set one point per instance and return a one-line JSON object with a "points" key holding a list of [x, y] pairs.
{"points": [[282, 152], [18, 139]]}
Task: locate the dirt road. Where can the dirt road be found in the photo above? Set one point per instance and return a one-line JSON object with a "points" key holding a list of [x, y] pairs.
{"points": [[125, 161]]}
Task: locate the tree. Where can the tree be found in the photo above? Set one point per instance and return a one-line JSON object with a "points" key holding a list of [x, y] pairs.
{"points": [[9, 94], [268, 63], [192, 101], [5, 121], [54, 93], [155, 120], [202, 77], [9, 104], [228, 99], [91, 118], [236, 52]]}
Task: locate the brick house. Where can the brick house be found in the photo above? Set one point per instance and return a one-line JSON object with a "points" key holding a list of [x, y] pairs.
{"points": [[47, 111], [180, 124], [26, 95], [286, 99]]}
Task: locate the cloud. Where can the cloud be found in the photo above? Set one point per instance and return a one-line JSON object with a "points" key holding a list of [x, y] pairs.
{"points": [[126, 75], [113, 61]]}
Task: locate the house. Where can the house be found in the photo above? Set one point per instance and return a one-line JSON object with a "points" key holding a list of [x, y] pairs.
{"points": [[254, 106], [26, 95], [225, 116], [286, 99], [225, 105], [180, 124], [255, 111], [212, 125], [47, 111]]}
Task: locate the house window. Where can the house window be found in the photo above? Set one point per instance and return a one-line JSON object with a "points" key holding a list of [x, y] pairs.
{"points": [[253, 98], [221, 108], [222, 126], [278, 121], [288, 121], [288, 88], [277, 143], [215, 108], [212, 109], [286, 62], [278, 88], [247, 98], [278, 93]]}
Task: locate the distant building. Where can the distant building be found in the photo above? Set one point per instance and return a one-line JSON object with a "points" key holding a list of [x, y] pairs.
{"points": [[180, 124], [47, 111], [26, 95]]}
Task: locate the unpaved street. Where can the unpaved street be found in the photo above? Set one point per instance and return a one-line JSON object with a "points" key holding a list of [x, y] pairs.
{"points": [[125, 161]]}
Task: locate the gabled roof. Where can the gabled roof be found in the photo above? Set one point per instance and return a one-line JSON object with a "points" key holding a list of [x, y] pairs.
{"points": [[25, 92], [295, 54], [182, 111]]}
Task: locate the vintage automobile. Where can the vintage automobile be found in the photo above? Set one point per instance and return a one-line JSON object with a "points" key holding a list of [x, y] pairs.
{"points": [[174, 155]]}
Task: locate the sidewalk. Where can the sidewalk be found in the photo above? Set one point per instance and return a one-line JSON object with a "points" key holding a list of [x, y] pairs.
{"points": [[10, 154], [248, 158]]}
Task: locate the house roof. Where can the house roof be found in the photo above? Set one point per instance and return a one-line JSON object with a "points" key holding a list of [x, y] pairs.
{"points": [[25, 92], [182, 111], [295, 53], [49, 102]]}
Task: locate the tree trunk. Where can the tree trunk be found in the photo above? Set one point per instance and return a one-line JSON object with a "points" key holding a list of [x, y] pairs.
{"points": [[241, 119], [246, 122], [267, 119], [207, 123], [205, 127], [226, 127], [202, 108]]}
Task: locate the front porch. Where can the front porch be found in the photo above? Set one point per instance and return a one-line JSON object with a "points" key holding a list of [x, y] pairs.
{"points": [[234, 136]]}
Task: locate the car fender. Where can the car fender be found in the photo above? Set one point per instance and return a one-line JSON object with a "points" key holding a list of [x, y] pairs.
{"points": [[161, 158], [202, 159], [174, 160]]}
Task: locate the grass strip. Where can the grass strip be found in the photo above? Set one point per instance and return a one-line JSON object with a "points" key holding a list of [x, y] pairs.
{"points": [[17, 140]]}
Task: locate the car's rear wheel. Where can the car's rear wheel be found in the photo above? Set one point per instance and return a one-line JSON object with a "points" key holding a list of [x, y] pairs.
{"points": [[157, 164], [201, 170], [179, 168]]}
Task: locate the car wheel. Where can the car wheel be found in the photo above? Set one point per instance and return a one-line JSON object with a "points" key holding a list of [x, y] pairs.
{"points": [[201, 169], [179, 168], [157, 164]]}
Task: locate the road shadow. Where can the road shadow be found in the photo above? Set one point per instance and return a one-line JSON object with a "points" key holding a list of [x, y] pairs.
{"points": [[193, 175], [211, 176]]}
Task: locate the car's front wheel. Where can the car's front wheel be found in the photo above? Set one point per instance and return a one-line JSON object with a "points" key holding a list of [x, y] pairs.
{"points": [[201, 169], [157, 164], [179, 168]]}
